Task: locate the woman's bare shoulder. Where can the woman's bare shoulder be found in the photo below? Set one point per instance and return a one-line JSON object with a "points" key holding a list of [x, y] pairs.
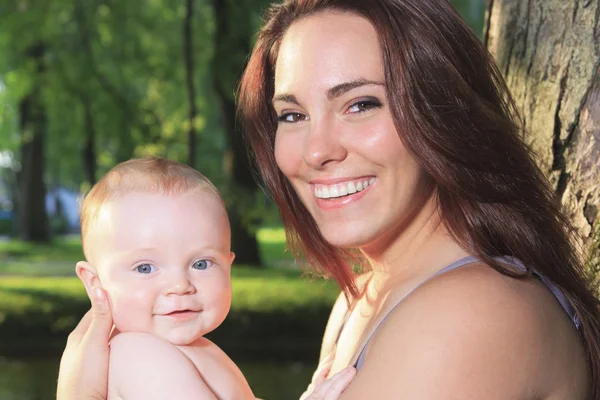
{"points": [[467, 332]]}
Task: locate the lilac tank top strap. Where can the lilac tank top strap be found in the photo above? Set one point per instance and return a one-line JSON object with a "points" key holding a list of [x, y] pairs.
{"points": [[469, 260]]}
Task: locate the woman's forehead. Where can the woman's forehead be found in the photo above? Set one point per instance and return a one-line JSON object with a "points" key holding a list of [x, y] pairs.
{"points": [[326, 50]]}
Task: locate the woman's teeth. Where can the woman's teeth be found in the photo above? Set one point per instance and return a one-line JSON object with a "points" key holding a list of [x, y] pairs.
{"points": [[342, 189]]}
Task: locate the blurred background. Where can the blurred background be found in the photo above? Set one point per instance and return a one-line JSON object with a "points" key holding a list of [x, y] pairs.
{"points": [[86, 84]]}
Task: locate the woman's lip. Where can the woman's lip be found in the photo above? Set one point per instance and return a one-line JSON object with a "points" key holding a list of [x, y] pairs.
{"points": [[339, 202], [334, 181]]}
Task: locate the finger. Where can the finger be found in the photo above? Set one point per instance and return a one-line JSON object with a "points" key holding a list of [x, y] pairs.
{"points": [[340, 384], [114, 332], [327, 358], [322, 370], [81, 328], [332, 385], [307, 392], [102, 323]]}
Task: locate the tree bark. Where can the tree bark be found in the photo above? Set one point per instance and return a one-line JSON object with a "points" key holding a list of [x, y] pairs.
{"points": [[549, 53], [31, 210]]}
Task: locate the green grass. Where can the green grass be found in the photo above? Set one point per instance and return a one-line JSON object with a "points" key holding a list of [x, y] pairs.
{"points": [[263, 290], [274, 310], [272, 246], [58, 258], [61, 249]]}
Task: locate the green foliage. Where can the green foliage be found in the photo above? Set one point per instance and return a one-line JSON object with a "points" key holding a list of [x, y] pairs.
{"points": [[6, 227], [472, 11], [115, 70]]}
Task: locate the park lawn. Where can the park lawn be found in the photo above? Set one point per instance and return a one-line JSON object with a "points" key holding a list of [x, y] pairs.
{"points": [[257, 290], [271, 308], [58, 258], [59, 250]]}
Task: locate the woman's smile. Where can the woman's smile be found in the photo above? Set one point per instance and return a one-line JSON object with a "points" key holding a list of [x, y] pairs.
{"points": [[339, 194]]}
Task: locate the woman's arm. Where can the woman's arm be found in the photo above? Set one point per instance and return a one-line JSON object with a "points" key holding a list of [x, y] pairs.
{"points": [[143, 366], [83, 371], [469, 334]]}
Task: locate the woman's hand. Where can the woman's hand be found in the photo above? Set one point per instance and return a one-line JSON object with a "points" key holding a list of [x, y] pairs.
{"points": [[83, 371], [322, 388]]}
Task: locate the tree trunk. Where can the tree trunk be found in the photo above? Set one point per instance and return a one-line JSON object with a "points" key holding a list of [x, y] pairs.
{"points": [[32, 217], [88, 153], [188, 56], [549, 52], [230, 54], [243, 242]]}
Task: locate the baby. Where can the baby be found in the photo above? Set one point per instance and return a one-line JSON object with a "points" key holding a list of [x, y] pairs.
{"points": [[156, 237]]}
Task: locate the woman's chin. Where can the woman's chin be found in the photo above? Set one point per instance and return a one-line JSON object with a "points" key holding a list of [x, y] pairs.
{"points": [[346, 239]]}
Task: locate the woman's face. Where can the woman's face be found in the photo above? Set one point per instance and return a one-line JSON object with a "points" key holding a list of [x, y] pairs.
{"points": [[336, 141]]}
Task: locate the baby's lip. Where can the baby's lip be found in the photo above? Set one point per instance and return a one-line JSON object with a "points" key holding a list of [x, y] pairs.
{"points": [[181, 311]]}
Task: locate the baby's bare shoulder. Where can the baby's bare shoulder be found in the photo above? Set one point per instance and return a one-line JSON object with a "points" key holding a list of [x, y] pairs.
{"points": [[218, 370], [145, 366]]}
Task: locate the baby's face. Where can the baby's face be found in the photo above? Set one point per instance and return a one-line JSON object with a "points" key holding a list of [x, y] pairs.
{"points": [[165, 262]]}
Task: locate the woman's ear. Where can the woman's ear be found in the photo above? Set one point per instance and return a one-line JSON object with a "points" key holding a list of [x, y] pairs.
{"points": [[88, 276]]}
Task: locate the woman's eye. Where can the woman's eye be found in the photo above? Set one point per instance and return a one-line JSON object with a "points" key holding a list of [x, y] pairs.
{"points": [[364, 105], [202, 264], [145, 268], [291, 117]]}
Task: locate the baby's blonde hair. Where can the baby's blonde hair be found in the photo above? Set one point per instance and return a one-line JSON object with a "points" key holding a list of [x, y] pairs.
{"points": [[145, 175]]}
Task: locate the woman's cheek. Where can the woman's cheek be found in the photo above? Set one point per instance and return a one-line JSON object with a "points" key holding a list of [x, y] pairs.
{"points": [[288, 152]]}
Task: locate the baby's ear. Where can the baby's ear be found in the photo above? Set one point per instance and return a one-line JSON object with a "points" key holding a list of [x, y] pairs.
{"points": [[231, 257], [88, 276]]}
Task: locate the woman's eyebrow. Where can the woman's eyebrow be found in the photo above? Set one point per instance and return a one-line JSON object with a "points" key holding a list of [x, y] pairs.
{"points": [[342, 88], [332, 93], [288, 98]]}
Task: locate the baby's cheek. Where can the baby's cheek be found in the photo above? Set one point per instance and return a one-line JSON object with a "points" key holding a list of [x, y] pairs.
{"points": [[221, 298], [132, 310]]}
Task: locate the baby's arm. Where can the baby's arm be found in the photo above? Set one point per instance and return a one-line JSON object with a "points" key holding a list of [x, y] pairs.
{"points": [[143, 366], [218, 370]]}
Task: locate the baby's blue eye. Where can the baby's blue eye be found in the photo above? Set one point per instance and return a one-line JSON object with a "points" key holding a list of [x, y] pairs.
{"points": [[145, 268], [202, 264]]}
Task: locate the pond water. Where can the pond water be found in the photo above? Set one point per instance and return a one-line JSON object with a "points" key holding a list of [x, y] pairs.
{"points": [[35, 379]]}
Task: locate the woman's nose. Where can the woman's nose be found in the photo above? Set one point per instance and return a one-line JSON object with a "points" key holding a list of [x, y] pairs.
{"points": [[323, 145], [180, 285]]}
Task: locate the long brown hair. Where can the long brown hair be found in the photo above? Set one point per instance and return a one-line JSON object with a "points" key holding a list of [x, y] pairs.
{"points": [[460, 122]]}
